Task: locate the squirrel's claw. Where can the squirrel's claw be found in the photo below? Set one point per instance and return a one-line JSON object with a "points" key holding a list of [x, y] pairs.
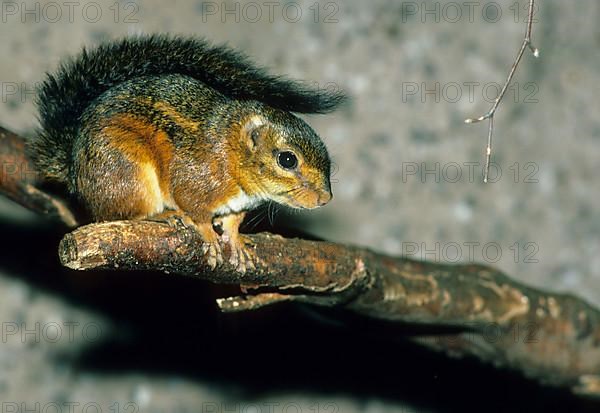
{"points": [[214, 253], [241, 255], [175, 218], [211, 246]]}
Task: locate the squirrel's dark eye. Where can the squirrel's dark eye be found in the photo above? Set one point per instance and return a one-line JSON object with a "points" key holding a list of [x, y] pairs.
{"points": [[287, 160]]}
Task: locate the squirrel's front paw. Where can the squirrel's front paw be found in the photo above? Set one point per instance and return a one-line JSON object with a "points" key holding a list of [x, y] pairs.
{"points": [[241, 252], [213, 252], [211, 245]]}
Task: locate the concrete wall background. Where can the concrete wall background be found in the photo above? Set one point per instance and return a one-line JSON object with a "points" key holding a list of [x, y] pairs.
{"points": [[408, 73]]}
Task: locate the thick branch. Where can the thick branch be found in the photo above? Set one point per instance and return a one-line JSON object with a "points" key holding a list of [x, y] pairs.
{"points": [[552, 337]]}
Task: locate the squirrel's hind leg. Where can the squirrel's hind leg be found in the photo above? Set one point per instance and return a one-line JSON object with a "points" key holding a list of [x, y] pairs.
{"points": [[114, 184]]}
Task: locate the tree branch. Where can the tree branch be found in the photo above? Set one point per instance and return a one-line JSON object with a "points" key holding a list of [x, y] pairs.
{"points": [[19, 181], [554, 338]]}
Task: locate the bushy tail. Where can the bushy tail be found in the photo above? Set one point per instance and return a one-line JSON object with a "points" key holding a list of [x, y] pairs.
{"points": [[65, 95]]}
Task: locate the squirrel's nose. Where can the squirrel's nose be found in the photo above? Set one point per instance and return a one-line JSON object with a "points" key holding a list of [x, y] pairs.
{"points": [[325, 197]]}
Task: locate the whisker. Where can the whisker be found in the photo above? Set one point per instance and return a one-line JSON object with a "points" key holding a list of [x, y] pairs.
{"points": [[296, 188], [270, 212], [276, 209], [256, 219]]}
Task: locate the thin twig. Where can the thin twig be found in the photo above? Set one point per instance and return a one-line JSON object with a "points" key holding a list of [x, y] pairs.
{"points": [[490, 114]]}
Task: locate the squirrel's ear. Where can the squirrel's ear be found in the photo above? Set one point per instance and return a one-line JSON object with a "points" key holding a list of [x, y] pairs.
{"points": [[252, 130]]}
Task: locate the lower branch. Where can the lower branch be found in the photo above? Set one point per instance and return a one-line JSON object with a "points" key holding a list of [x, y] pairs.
{"points": [[552, 337]]}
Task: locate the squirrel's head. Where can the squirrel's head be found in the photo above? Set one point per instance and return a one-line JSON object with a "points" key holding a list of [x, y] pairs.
{"points": [[290, 163]]}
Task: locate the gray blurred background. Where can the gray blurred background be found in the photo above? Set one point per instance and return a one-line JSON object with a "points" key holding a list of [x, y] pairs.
{"points": [[408, 176]]}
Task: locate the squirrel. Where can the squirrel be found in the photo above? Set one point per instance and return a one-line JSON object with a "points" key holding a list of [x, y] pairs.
{"points": [[168, 127]]}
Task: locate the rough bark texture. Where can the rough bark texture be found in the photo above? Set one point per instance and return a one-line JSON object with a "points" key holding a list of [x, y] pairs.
{"points": [[551, 337]]}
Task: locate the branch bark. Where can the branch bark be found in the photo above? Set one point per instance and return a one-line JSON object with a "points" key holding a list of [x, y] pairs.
{"points": [[553, 338]]}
